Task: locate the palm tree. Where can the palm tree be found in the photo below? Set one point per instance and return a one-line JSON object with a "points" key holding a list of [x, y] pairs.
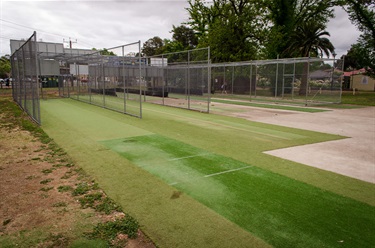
{"points": [[308, 41]]}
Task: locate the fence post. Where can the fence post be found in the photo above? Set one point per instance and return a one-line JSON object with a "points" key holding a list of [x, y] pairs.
{"points": [[277, 76], [140, 78], [123, 76], [307, 79], [188, 80], [208, 80], [162, 77]]}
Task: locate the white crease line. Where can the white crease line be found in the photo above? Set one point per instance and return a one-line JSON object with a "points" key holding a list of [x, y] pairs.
{"points": [[223, 172], [192, 156]]}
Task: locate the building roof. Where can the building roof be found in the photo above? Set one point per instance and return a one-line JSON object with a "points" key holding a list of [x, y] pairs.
{"points": [[321, 74], [355, 72]]}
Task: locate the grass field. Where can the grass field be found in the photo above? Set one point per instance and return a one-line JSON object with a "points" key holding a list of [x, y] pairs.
{"points": [[270, 106], [199, 180], [360, 98]]}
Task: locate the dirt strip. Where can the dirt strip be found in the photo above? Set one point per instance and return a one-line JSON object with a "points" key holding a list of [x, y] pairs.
{"points": [[353, 157]]}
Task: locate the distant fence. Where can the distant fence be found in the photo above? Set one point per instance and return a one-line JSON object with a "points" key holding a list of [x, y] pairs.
{"points": [[180, 79], [110, 81], [25, 78], [297, 81], [123, 80]]}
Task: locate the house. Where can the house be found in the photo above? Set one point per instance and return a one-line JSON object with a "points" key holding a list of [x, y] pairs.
{"points": [[358, 81], [321, 75]]}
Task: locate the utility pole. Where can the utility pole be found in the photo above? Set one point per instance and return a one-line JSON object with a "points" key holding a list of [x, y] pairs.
{"points": [[70, 42]]}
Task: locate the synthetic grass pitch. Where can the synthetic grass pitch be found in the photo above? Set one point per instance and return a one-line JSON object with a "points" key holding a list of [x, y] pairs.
{"points": [[217, 161]]}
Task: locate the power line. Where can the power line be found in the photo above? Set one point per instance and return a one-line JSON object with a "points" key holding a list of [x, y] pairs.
{"points": [[39, 30], [6, 38], [42, 31]]}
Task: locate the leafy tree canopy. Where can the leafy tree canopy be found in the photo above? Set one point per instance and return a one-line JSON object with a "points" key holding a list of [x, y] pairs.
{"points": [[288, 17], [234, 29], [153, 46], [309, 40], [105, 52], [362, 54], [5, 66], [247, 29], [185, 36]]}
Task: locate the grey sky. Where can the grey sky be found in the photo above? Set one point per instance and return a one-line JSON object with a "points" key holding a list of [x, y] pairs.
{"points": [[104, 24]]}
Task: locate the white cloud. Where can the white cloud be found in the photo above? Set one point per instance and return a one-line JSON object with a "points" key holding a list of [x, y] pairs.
{"points": [[99, 24], [104, 24], [343, 32]]}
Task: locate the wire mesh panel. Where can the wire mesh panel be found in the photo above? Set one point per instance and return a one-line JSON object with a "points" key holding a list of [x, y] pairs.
{"points": [[324, 82], [26, 78], [298, 81], [179, 79], [112, 79]]}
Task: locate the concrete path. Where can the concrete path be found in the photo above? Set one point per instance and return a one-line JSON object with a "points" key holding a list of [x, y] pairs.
{"points": [[353, 157]]}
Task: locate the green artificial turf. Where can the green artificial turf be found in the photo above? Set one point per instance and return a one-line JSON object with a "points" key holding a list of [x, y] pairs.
{"points": [[280, 210], [284, 203], [270, 106]]}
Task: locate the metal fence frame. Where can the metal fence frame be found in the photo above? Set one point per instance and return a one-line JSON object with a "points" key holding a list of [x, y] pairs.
{"points": [[180, 79], [25, 78], [279, 81], [108, 77], [184, 79]]}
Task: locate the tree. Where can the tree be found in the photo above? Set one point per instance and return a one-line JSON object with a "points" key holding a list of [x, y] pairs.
{"points": [[285, 16], [362, 14], [171, 46], [105, 52], [309, 40], [232, 28], [282, 16], [153, 46], [361, 55], [352, 60], [5, 66], [185, 36]]}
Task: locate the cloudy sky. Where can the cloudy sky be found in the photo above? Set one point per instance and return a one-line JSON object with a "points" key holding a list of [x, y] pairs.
{"points": [[105, 24]]}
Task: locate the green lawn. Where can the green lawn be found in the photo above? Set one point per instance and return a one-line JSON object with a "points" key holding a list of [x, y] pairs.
{"points": [[199, 180], [270, 106], [360, 98]]}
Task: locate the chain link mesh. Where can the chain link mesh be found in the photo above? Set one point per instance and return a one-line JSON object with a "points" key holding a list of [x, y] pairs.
{"points": [[113, 81], [304, 81], [25, 81]]}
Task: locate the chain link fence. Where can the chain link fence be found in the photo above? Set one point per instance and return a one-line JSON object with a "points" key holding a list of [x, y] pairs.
{"points": [[304, 81], [25, 78], [179, 79], [122, 79], [112, 81]]}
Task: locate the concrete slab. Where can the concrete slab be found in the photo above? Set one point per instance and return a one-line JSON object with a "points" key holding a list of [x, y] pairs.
{"points": [[353, 157]]}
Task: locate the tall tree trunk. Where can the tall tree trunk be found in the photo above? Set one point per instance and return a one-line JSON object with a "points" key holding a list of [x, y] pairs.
{"points": [[305, 77]]}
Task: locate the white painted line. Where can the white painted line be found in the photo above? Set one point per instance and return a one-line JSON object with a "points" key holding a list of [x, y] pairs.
{"points": [[173, 183], [192, 156], [223, 172]]}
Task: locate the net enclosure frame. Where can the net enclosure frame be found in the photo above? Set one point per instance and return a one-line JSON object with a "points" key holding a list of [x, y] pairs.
{"points": [[25, 78], [296, 81], [107, 79], [180, 79], [185, 79]]}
